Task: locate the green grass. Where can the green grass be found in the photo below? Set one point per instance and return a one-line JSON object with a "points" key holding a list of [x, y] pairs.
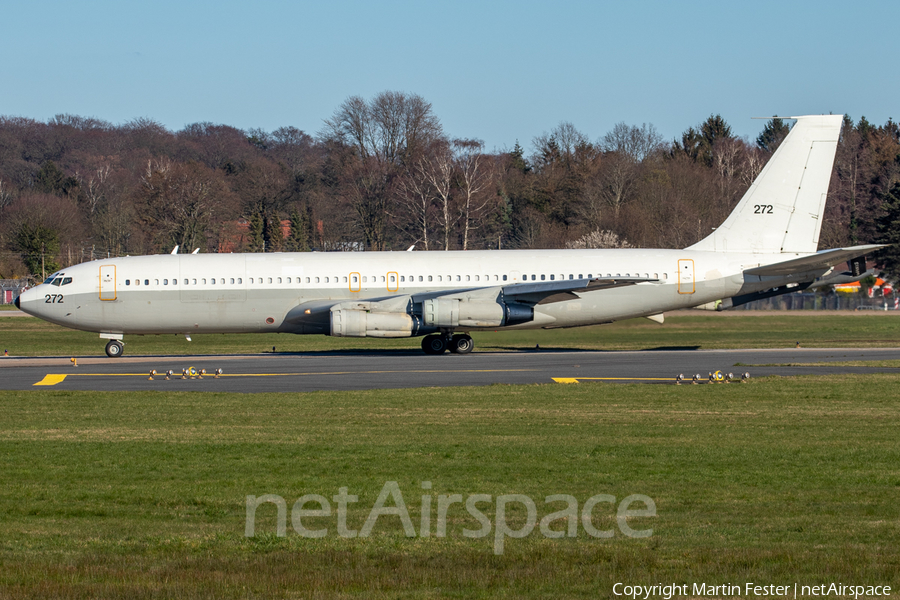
{"points": [[141, 495], [27, 336], [888, 363]]}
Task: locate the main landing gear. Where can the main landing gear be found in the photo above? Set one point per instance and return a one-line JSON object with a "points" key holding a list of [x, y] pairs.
{"points": [[114, 348], [461, 343]]}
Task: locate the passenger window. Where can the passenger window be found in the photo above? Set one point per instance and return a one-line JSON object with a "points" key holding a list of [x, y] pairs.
{"points": [[156, 282], [469, 277], [137, 282], [439, 278], [146, 282], [458, 278], [326, 280], [420, 278], [665, 275], [571, 276], [504, 277], [543, 277], [317, 279], [232, 280], [127, 282], [429, 278], [279, 280], [552, 277], [580, 276], [165, 282], [240, 281], [307, 280], [402, 278], [345, 279], [365, 279], [477, 278], [270, 280]]}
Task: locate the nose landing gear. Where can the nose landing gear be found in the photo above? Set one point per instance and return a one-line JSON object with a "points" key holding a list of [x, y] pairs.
{"points": [[114, 348]]}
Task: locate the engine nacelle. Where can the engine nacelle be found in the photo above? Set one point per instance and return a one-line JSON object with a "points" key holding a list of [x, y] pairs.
{"points": [[361, 323], [446, 312]]}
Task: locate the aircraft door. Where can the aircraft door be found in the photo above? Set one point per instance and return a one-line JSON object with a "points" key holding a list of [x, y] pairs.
{"points": [[685, 276], [108, 282]]}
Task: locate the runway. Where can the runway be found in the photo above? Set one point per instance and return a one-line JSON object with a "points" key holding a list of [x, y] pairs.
{"points": [[405, 369]]}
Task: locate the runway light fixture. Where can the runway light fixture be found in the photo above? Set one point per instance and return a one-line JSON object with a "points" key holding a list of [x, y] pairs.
{"points": [[184, 373], [745, 377], [729, 377], [218, 372], [152, 373], [679, 379], [696, 379], [169, 374], [201, 374]]}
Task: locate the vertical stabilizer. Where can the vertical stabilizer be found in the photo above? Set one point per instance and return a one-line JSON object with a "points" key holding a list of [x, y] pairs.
{"points": [[783, 209]]}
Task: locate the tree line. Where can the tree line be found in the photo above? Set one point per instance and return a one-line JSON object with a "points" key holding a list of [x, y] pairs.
{"points": [[382, 174]]}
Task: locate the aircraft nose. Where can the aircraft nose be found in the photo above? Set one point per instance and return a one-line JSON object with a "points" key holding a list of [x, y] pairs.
{"points": [[16, 302]]}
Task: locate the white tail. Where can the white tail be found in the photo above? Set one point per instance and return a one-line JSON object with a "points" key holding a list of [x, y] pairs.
{"points": [[782, 211]]}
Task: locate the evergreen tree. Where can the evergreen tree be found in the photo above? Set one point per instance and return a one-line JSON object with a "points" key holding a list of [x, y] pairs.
{"points": [[39, 246], [772, 134], [888, 227], [272, 233], [255, 239], [298, 239], [51, 180]]}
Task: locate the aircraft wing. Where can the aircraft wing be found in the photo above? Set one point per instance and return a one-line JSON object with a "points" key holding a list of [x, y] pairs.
{"points": [[814, 262], [539, 292], [548, 292]]}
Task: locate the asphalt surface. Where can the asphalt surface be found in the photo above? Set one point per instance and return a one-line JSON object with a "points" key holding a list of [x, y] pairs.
{"points": [[407, 369]]}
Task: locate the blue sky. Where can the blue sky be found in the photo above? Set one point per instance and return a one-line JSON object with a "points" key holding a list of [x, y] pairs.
{"points": [[499, 71]]}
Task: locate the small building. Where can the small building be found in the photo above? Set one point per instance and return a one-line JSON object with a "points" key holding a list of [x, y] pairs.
{"points": [[11, 288]]}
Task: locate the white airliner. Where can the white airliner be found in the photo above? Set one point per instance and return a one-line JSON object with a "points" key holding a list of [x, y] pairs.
{"points": [[766, 247]]}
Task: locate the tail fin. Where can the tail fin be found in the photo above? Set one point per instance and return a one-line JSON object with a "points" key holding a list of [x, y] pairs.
{"points": [[782, 211]]}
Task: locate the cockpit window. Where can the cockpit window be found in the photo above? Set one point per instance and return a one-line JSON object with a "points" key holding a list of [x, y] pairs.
{"points": [[57, 282], [52, 277], [67, 281]]}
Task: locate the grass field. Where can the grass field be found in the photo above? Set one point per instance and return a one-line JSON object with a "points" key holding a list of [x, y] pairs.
{"points": [[27, 336], [105, 495]]}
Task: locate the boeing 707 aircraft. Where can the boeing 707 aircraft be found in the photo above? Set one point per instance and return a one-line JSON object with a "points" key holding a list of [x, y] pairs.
{"points": [[767, 246]]}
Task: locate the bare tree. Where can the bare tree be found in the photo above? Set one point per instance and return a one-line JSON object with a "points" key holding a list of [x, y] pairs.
{"points": [[474, 180], [388, 134]]}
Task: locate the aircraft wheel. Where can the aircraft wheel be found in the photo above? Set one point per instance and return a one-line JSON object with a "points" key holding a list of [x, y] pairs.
{"points": [[114, 348], [462, 344], [434, 344]]}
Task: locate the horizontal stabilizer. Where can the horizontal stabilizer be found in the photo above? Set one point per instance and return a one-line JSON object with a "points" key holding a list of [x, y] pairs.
{"points": [[814, 262]]}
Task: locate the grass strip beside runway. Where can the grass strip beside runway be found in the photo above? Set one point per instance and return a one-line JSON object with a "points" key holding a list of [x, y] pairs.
{"points": [[142, 495], [29, 336]]}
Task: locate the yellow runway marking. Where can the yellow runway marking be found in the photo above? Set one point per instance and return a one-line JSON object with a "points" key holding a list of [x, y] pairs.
{"points": [[577, 379], [51, 380]]}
